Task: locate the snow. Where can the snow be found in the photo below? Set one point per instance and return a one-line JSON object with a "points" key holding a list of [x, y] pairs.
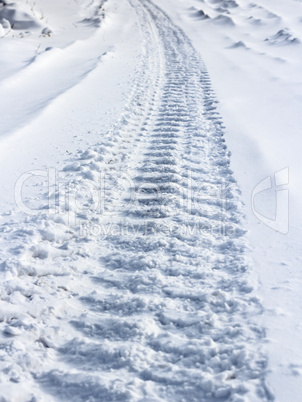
{"points": [[255, 67], [132, 266]]}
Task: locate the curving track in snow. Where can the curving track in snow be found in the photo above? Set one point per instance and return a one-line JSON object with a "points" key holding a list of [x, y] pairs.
{"points": [[148, 288]]}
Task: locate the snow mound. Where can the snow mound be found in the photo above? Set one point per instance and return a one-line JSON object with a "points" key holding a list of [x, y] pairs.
{"points": [[238, 44], [218, 11], [46, 31], [201, 15], [283, 37], [223, 20], [254, 21], [19, 17], [92, 12], [271, 15], [225, 3], [222, 10]]}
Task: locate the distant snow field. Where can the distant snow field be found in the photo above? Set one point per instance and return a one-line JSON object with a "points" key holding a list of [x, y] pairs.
{"points": [[150, 210]]}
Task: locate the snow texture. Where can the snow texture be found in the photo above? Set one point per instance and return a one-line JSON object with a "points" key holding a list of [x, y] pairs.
{"points": [[145, 297], [123, 265]]}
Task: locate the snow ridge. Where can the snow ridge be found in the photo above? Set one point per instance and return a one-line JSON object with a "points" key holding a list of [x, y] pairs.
{"points": [[141, 293]]}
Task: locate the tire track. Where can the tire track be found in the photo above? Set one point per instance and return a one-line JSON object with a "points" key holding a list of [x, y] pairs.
{"points": [[172, 316], [165, 310]]}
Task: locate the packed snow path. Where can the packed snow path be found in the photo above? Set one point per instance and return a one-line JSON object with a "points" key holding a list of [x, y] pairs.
{"points": [[140, 290]]}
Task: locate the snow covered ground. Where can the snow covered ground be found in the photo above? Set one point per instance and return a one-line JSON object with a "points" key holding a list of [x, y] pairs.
{"points": [[130, 268], [253, 53]]}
